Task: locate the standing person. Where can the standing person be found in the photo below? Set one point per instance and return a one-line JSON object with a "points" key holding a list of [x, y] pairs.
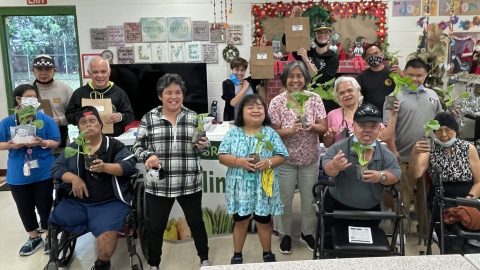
{"points": [[303, 147], [417, 108], [164, 140], [57, 92], [100, 196], [245, 194], [319, 60], [32, 188], [101, 88], [237, 87], [375, 81]]}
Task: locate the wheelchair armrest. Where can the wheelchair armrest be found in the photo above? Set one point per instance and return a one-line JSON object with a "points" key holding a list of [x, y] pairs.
{"points": [[321, 183], [364, 215], [467, 202]]}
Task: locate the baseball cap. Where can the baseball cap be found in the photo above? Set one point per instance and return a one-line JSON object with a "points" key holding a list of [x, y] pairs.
{"points": [[367, 113], [323, 26], [43, 60], [87, 110]]}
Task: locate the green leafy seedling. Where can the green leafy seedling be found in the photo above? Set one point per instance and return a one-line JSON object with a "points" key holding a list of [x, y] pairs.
{"points": [[359, 149], [301, 97], [200, 124], [26, 113], [431, 125], [448, 95], [82, 141], [401, 82], [324, 90], [261, 142]]}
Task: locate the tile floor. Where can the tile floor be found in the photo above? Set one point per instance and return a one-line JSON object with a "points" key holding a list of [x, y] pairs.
{"points": [[181, 256]]}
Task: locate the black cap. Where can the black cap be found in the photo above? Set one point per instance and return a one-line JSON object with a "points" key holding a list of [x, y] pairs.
{"points": [[87, 110], [367, 113], [323, 26], [43, 60], [447, 119]]}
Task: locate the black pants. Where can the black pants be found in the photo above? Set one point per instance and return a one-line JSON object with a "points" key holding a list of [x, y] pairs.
{"points": [[158, 210], [30, 196]]}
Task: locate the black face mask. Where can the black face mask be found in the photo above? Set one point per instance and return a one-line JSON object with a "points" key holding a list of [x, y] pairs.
{"points": [[321, 45], [37, 81]]}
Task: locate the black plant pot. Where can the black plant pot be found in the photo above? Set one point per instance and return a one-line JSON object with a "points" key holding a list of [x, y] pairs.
{"points": [[360, 171], [389, 102], [89, 161], [256, 158], [304, 120], [199, 135]]}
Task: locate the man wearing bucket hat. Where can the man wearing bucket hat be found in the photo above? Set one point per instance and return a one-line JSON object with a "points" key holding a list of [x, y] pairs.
{"points": [[357, 189], [57, 92], [320, 60]]}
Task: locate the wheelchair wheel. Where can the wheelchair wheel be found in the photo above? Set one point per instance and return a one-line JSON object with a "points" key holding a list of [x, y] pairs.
{"points": [[140, 211], [51, 266], [62, 246]]}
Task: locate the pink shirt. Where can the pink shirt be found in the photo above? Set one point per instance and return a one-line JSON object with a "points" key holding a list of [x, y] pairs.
{"points": [[335, 120], [303, 146]]}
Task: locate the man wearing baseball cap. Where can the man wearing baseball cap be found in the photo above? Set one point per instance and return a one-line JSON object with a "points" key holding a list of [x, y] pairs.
{"points": [[57, 92], [355, 189]]}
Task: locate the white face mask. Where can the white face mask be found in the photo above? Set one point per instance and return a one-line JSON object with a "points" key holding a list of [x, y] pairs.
{"points": [[30, 101], [355, 139], [446, 144]]}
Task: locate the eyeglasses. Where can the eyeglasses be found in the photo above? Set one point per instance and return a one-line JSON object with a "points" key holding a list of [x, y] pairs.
{"points": [[91, 121]]}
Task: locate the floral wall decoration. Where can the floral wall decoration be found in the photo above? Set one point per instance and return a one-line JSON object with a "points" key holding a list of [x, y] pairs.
{"points": [[370, 9]]}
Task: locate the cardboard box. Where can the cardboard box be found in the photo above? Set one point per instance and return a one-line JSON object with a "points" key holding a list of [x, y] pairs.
{"points": [[104, 108], [297, 33], [261, 62]]}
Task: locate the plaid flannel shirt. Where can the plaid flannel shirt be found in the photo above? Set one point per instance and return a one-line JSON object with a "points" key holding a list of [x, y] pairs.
{"points": [[173, 145]]}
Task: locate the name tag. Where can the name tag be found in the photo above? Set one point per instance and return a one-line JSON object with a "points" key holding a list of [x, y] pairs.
{"points": [[33, 164]]}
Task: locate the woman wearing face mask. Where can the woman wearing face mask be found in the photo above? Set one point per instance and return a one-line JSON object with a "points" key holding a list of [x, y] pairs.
{"points": [[29, 165], [456, 159], [237, 87], [340, 121]]}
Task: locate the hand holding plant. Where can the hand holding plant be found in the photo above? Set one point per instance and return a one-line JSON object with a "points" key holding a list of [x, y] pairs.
{"points": [[448, 95], [360, 149], [261, 142], [430, 126], [81, 141], [400, 83], [300, 98], [200, 129]]}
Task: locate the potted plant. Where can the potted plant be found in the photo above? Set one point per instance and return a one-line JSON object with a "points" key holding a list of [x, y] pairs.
{"points": [[448, 95], [26, 131], [324, 90], [261, 142], [400, 83], [200, 129], [84, 145], [430, 126], [300, 98], [359, 149]]}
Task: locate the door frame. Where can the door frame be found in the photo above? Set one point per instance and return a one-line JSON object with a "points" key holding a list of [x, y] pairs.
{"points": [[30, 11]]}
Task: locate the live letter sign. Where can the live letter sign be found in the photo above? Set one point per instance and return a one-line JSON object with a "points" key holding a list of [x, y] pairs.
{"points": [[37, 2]]}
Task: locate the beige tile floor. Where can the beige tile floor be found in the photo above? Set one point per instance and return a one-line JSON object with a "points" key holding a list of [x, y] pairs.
{"points": [[181, 256]]}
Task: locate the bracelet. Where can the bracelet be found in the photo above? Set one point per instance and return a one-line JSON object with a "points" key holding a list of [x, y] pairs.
{"points": [[269, 163]]}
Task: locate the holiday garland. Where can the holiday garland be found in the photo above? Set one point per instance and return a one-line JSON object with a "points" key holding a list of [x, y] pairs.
{"points": [[371, 9]]}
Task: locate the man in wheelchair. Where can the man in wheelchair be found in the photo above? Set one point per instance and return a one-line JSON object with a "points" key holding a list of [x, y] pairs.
{"points": [[356, 186], [98, 194]]}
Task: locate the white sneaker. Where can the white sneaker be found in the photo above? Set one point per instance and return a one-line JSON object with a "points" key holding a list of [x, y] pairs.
{"points": [[206, 263], [153, 268]]}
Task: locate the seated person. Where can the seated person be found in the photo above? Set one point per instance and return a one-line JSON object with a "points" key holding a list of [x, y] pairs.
{"points": [[237, 87], [353, 190], [99, 197], [456, 159]]}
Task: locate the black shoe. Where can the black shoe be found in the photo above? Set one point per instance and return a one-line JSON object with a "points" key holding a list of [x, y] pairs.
{"points": [[286, 245], [101, 265], [236, 260], [269, 257], [308, 240]]}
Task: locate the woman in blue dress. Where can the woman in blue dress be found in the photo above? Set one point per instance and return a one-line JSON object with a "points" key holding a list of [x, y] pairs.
{"points": [[248, 190]]}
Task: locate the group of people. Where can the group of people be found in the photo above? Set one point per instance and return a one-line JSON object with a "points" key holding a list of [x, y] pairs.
{"points": [[270, 152]]}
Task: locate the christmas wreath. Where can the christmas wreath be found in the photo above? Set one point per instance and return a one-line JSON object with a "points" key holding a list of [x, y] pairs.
{"points": [[230, 52]]}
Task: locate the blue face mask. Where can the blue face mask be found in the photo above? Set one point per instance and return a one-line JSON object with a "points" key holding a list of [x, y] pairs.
{"points": [[234, 79], [420, 88]]}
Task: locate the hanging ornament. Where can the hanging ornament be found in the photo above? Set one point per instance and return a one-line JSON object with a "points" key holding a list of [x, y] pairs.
{"points": [[214, 11], [230, 52], [226, 16], [231, 7]]}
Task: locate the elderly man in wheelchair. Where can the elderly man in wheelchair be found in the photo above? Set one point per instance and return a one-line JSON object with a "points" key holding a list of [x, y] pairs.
{"points": [[98, 191], [360, 168]]}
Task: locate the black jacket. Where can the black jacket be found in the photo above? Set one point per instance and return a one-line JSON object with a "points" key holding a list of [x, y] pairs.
{"points": [[228, 89], [120, 103]]}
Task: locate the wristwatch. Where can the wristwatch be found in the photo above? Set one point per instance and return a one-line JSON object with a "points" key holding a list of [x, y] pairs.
{"points": [[383, 177]]}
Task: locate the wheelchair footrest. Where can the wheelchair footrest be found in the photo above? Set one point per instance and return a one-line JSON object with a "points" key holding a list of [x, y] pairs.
{"points": [[379, 247]]}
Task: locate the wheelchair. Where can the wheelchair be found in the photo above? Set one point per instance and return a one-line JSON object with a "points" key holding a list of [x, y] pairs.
{"points": [[448, 233], [341, 246], [62, 243]]}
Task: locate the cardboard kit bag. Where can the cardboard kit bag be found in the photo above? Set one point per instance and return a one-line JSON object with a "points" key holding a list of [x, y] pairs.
{"points": [[104, 108], [261, 62], [297, 33]]}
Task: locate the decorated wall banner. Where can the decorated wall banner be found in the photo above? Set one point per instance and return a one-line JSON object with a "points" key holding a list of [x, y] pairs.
{"points": [[210, 53], [154, 29], [179, 29], [115, 35], [125, 55], [194, 52], [406, 8], [98, 38], [430, 7], [200, 31], [235, 34], [217, 33], [132, 32], [159, 52], [142, 52], [177, 52]]}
